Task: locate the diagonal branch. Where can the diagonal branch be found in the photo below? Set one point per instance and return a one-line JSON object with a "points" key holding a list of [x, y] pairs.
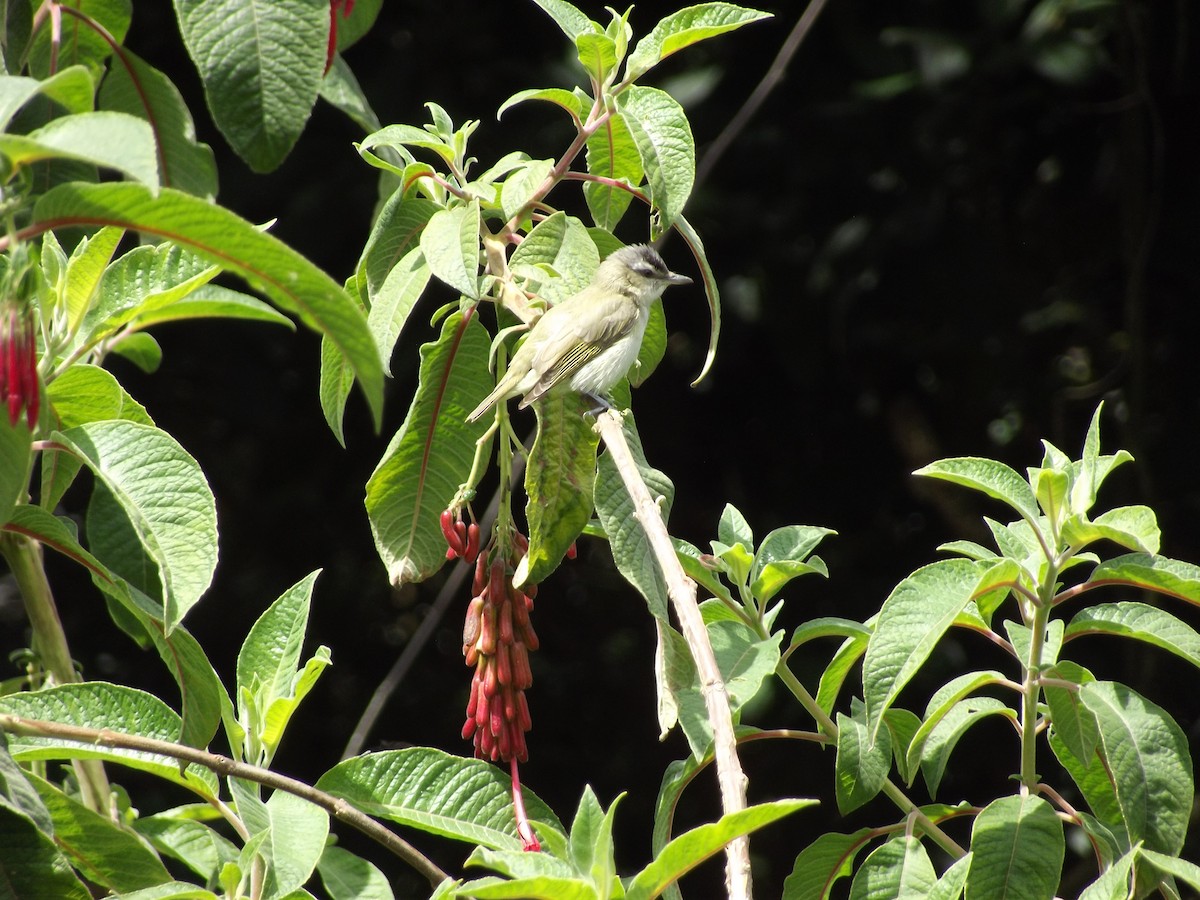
{"points": [[682, 592]]}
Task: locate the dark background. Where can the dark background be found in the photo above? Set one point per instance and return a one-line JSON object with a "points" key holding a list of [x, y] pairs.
{"points": [[953, 229]]}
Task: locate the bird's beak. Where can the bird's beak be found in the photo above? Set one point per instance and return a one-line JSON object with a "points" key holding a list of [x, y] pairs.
{"points": [[673, 278]]}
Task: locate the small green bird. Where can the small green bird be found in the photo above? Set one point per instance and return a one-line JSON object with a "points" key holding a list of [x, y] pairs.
{"points": [[589, 341]]}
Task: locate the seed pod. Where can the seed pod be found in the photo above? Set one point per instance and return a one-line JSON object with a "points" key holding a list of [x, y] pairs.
{"points": [[522, 675], [504, 744], [481, 710], [450, 533], [496, 723], [479, 582], [486, 745], [510, 704], [471, 623], [489, 677], [473, 702], [469, 727], [519, 610], [471, 654], [487, 630], [523, 717], [503, 664], [529, 636], [505, 622], [472, 543], [519, 751]]}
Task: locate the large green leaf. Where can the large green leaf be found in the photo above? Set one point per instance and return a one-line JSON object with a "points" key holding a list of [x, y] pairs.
{"points": [[270, 266], [431, 454], [79, 42], [557, 258], [992, 478], [1017, 850], [822, 863], [612, 154], [30, 863], [183, 834], [559, 479], [691, 848], [397, 230], [110, 139], [863, 761], [165, 499], [686, 27], [99, 848], [296, 836], [71, 87], [259, 97], [1148, 762], [899, 869], [349, 877], [911, 622], [104, 707], [451, 244], [664, 142], [135, 87], [464, 799], [1141, 622], [16, 460], [1152, 573], [572, 22]]}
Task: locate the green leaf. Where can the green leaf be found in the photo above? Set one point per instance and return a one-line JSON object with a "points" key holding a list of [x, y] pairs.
{"points": [[822, 863], [268, 664], [558, 96], [1074, 725], [180, 835], [30, 864], [1150, 765], [165, 498], [627, 539], [591, 843], [1171, 865], [781, 557], [143, 350], [940, 704], [291, 282], [395, 234], [734, 529], [692, 237], [172, 890], [341, 90], [395, 299], [1133, 527], [109, 139], [295, 839], [911, 622], [104, 852], [862, 764], [463, 799], [80, 395], [522, 185], [686, 27], [79, 42], [654, 346], [950, 885], [431, 454], [99, 706], [451, 244], [572, 22], [1114, 882], [693, 847], [349, 877], [597, 55], [135, 87], [558, 258], [18, 795], [71, 88], [899, 868], [559, 478], [1139, 621], [1151, 573], [1017, 849], [16, 461], [939, 743], [85, 270], [838, 669], [660, 131], [259, 97], [212, 301], [992, 478]]}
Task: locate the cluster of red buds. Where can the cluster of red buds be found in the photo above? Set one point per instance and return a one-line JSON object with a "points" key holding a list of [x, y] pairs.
{"points": [[497, 640], [18, 363], [345, 7], [463, 539]]}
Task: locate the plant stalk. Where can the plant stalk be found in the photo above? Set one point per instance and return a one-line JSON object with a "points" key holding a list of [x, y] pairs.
{"points": [[682, 592], [24, 557]]}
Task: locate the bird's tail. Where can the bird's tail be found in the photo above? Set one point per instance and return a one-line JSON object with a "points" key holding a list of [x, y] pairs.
{"points": [[488, 402]]}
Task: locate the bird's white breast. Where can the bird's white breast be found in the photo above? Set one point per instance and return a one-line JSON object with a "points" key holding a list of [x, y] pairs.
{"points": [[598, 375]]}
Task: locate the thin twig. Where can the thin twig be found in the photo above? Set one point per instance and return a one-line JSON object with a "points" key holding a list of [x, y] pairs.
{"points": [[225, 766], [682, 593], [768, 83]]}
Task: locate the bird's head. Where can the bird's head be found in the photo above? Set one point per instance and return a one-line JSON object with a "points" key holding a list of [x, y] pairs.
{"points": [[639, 272]]}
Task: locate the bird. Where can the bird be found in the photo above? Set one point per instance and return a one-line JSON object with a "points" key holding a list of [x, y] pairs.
{"points": [[589, 341]]}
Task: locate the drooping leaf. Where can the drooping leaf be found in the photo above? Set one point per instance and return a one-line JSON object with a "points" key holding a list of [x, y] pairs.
{"points": [[822, 863], [165, 501], [135, 87], [291, 282], [1141, 622], [713, 295], [463, 799], [71, 88], [560, 476], [686, 27], [992, 478], [431, 454], [259, 97], [1152, 573], [30, 863], [112, 140], [899, 868], [349, 877], [863, 761]]}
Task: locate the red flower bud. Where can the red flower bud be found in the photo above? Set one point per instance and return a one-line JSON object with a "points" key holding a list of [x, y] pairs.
{"points": [[522, 675], [571, 551], [487, 630], [505, 621], [503, 664], [472, 543], [471, 624]]}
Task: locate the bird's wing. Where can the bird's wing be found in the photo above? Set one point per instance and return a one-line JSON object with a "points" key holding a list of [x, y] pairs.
{"points": [[616, 315]]}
